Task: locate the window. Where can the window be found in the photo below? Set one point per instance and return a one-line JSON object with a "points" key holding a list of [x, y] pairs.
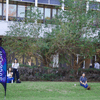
{"points": [[59, 12], [28, 11], [53, 12], [55, 2], [0, 9], [47, 13], [94, 6], [33, 14], [43, 1], [12, 10], [21, 11], [41, 10], [4, 10], [28, 8]]}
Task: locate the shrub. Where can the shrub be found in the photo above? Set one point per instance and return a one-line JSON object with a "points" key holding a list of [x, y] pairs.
{"points": [[46, 68], [49, 77], [72, 71], [71, 77]]}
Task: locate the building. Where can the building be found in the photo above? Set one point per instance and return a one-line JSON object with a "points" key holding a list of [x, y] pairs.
{"points": [[12, 9]]}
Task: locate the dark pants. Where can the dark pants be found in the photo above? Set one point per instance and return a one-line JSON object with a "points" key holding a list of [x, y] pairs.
{"points": [[15, 71]]}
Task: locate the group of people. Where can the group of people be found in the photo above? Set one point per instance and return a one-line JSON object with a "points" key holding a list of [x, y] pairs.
{"points": [[11, 75], [96, 65], [15, 66]]}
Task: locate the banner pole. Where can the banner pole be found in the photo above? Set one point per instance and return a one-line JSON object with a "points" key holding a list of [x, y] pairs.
{"points": [[4, 97]]}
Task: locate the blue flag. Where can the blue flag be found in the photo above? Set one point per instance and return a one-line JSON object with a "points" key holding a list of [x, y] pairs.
{"points": [[3, 68]]}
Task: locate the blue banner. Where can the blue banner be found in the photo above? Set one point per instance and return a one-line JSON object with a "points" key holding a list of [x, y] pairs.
{"points": [[94, 6], [3, 68]]}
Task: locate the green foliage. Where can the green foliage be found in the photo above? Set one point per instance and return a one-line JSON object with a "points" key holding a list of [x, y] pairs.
{"points": [[70, 33], [87, 70], [79, 70], [37, 74], [49, 77], [72, 71], [46, 68], [71, 77]]}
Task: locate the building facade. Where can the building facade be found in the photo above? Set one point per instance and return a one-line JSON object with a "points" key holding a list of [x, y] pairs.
{"points": [[16, 10], [16, 7]]}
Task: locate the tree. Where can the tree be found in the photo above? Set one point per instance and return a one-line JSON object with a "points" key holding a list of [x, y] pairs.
{"points": [[21, 35], [74, 32], [67, 34]]}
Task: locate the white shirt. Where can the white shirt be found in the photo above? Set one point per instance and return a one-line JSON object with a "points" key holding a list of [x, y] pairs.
{"points": [[96, 65], [15, 65], [9, 75]]}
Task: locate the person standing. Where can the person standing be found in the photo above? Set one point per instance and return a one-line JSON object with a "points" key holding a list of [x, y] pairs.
{"points": [[96, 65], [90, 65], [83, 82], [15, 67]]}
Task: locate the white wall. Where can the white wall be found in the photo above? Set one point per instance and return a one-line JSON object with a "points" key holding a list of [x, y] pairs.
{"points": [[4, 26]]}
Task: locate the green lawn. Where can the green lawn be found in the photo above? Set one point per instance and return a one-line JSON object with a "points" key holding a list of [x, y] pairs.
{"points": [[50, 91]]}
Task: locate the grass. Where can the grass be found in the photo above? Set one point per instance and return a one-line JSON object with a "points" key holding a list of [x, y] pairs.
{"points": [[50, 91]]}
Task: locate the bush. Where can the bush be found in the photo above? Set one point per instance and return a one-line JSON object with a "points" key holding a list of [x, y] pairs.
{"points": [[72, 71], [37, 73], [71, 77], [48, 77], [46, 68]]}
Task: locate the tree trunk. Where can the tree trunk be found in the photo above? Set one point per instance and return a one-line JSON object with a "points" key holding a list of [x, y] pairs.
{"points": [[36, 61], [23, 59]]}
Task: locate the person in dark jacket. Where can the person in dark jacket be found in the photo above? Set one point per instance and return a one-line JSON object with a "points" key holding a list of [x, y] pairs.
{"points": [[15, 67]]}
